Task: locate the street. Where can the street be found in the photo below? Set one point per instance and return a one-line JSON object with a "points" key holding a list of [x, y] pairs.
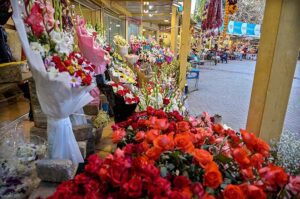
{"points": [[225, 89]]}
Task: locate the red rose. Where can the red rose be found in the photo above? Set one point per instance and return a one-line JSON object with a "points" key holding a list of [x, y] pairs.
{"points": [[233, 192], [154, 153], [255, 192], [118, 172], [87, 80], [257, 160], [92, 186], [133, 187], [247, 173], [181, 181], [241, 157], [262, 147], [249, 139], [67, 62], [94, 163], [139, 137], [159, 188], [177, 195], [118, 135], [166, 101], [198, 190], [273, 176]]}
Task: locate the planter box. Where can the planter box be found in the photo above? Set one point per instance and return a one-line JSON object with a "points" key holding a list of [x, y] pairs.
{"points": [[13, 72]]}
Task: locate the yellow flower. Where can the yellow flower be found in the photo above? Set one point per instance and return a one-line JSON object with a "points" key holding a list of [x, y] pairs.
{"points": [[71, 69]]}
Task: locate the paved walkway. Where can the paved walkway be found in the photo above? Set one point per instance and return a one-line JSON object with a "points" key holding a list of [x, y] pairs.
{"points": [[225, 89]]}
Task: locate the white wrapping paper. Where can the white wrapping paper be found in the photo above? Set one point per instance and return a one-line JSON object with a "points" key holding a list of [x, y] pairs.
{"points": [[57, 98]]}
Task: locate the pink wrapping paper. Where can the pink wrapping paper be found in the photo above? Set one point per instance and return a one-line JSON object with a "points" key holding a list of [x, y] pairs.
{"points": [[89, 48]]}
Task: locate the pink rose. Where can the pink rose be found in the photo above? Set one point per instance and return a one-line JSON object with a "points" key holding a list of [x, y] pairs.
{"points": [[294, 184]]}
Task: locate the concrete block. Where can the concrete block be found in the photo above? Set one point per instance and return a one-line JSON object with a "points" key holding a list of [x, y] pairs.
{"points": [[83, 132], [50, 170]]}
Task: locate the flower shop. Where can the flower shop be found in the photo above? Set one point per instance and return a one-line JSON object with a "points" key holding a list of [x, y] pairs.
{"points": [[109, 118]]}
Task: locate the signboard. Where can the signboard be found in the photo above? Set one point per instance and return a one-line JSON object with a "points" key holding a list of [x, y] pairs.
{"points": [[243, 29]]}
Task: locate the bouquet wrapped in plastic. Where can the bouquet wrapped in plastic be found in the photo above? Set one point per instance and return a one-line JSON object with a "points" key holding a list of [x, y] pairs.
{"points": [[63, 77], [90, 48], [121, 45]]}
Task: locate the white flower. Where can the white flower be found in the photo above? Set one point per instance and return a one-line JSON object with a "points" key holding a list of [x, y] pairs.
{"points": [[56, 36], [129, 95], [53, 73], [37, 48], [64, 42]]}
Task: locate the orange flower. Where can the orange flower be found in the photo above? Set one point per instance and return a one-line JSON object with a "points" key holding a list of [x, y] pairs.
{"points": [[241, 157], [139, 137], [164, 142], [262, 147], [151, 135], [212, 176], [118, 135], [160, 124], [208, 196], [249, 139], [203, 157], [183, 126], [153, 153], [218, 128], [183, 142], [233, 192]]}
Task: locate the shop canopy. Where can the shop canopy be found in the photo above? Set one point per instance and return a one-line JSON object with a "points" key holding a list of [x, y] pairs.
{"points": [[243, 29]]}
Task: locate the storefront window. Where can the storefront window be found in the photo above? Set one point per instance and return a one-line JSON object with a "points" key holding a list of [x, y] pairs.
{"points": [[133, 29], [113, 26]]}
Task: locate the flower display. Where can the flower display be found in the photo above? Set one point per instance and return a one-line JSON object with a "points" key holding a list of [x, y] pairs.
{"points": [[163, 155], [123, 91], [120, 41]]}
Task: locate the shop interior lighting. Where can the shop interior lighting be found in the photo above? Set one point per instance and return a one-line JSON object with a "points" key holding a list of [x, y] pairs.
{"points": [[117, 25], [150, 15], [151, 7], [146, 3], [166, 20], [156, 11], [146, 11]]}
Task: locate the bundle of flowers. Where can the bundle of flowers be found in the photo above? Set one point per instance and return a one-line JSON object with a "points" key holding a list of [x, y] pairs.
{"points": [[92, 45], [135, 44], [121, 90], [120, 41], [63, 77], [169, 56], [161, 92], [56, 46]]}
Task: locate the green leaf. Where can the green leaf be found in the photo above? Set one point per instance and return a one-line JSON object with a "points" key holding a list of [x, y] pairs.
{"points": [[223, 158], [163, 171]]}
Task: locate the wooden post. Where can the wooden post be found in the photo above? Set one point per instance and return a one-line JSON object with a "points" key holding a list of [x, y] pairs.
{"points": [[275, 68], [185, 41], [127, 37], [174, 30]]}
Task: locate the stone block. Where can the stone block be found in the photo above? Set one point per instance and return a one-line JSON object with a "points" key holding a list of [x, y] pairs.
{"points": [[83, 132], [91, 109], [10, 72], [50, 170], [82, 147], [91, 146], [41, 132]]}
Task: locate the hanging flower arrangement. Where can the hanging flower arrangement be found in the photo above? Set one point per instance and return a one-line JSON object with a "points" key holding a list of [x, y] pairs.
{"points": [[230, 9]]}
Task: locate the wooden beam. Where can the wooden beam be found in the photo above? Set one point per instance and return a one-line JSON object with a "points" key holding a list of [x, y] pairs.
{"points": [[174, 30], [275, 68], [184, 42]]}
